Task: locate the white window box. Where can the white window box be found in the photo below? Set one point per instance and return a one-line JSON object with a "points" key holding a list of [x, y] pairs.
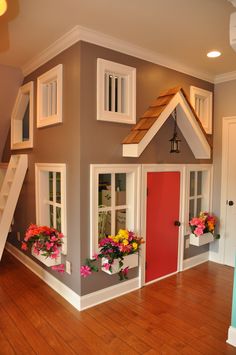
{"points": [[202, 239], [130, 261], [47, 261]]}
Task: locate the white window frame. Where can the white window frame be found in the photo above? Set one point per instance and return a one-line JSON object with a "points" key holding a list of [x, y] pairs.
{"points": [[24, 97], [205, 114], [55, 75], [129, 73], [132, 195], [41, 189], [206, 189]]}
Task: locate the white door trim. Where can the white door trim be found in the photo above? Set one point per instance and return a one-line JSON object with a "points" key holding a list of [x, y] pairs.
{"points": [[146, 168], [224, 169]]}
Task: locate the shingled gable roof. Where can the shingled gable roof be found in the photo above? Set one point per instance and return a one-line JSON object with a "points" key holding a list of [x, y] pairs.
{"points": [[156, 115]]}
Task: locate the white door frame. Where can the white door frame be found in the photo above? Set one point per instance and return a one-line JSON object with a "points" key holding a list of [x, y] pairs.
{"points": [[146, 168], [224, 169]]}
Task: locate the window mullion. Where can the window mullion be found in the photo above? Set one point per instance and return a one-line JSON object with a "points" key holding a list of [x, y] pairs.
{"points": [[54, 199], [195, 193], [113, 203]]}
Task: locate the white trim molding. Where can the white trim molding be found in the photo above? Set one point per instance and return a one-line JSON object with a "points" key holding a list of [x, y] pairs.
{"points": [[231, 336], [79, 33], [195, 260], [79, 302], [221, 78]]}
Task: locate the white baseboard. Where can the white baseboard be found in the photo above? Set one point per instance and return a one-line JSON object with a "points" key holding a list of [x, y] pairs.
{"points": [[109, 293], [231, 336], [195, 260], [79, 302], [161, 278]]}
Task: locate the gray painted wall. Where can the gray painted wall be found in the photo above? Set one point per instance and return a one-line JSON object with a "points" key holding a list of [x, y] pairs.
{"points": [[81, 140]]}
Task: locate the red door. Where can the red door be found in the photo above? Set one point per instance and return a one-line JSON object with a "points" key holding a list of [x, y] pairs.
{"points": [[162, 234]]}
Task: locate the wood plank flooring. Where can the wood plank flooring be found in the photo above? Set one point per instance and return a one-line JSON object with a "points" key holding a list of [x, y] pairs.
{"points": [[188, 313]]}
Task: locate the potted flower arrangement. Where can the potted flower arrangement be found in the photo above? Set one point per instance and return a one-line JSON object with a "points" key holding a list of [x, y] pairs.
{"points": [[45, 244], [202, 228], [118, 253]]}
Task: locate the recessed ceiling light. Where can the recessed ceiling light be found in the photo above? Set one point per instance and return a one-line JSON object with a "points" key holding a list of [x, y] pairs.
{"points": [[213, 54]]}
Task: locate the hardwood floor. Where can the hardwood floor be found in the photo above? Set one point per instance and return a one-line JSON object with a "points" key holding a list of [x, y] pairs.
{"points": [[185, 314]]}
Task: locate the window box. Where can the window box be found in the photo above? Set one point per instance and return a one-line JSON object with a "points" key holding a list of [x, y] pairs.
{"points": [[130, 261], [201, 240], [47, 261]]}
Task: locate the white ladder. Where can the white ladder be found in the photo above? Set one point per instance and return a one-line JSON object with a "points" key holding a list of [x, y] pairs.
{"points": [[9, 194]]}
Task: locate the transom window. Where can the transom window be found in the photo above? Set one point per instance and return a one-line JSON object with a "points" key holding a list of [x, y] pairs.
{"points": [[51, 196], [114, 201]]}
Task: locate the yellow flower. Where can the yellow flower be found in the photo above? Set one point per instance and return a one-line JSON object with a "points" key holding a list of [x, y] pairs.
{"points": [[123, 233], [125, 242], [135, 246]]}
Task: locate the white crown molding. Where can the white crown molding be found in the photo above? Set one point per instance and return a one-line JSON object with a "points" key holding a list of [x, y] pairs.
{"points": [[221, 78], [79, 33]]}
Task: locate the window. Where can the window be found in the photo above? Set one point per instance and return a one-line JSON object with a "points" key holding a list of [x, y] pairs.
{"points": [[22, 118], [116, 92], [51, 197], [114, 200], [49, 97], [202, 103], [199, 190]]}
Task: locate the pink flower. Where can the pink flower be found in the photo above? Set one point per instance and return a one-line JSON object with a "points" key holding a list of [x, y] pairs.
{"points": [[198, 231], [85, 271], [59, 268], [24, 246], [48, 245], [95, 256], [106, 266], [55, 254], [125, 271]]}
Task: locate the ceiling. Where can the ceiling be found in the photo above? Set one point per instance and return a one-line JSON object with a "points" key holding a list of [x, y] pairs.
{"points": [[181, 30]]}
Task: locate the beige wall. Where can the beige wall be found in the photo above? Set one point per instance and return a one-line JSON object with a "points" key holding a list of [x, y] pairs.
{"points": [[225, 105]]}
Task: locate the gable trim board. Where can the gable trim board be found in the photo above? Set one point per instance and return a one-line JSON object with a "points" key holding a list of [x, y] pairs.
{"points": [[80, 33], [141, 135]]}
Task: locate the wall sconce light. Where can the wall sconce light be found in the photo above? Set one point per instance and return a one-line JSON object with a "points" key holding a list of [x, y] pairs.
{"points": [[175, 141], [3, 7]]}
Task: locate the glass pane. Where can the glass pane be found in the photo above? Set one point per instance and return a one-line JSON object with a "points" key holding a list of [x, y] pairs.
{"points": [[104, 190], [120, 220], [199, 182], [58, 219], [58, 187], [51, 215], [191, 209], [192, 183], [50, 177], [120, 187], [104, 224], [25, 125], [199, 205]]}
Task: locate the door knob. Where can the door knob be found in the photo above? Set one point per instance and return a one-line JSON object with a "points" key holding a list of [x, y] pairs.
{"points": [[231, 203], [177, 223]]}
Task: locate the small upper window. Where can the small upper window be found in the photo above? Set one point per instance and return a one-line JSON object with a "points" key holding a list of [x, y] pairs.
{"points": [[116, 92], [49, 97], [202, 103], [22, 118]]}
